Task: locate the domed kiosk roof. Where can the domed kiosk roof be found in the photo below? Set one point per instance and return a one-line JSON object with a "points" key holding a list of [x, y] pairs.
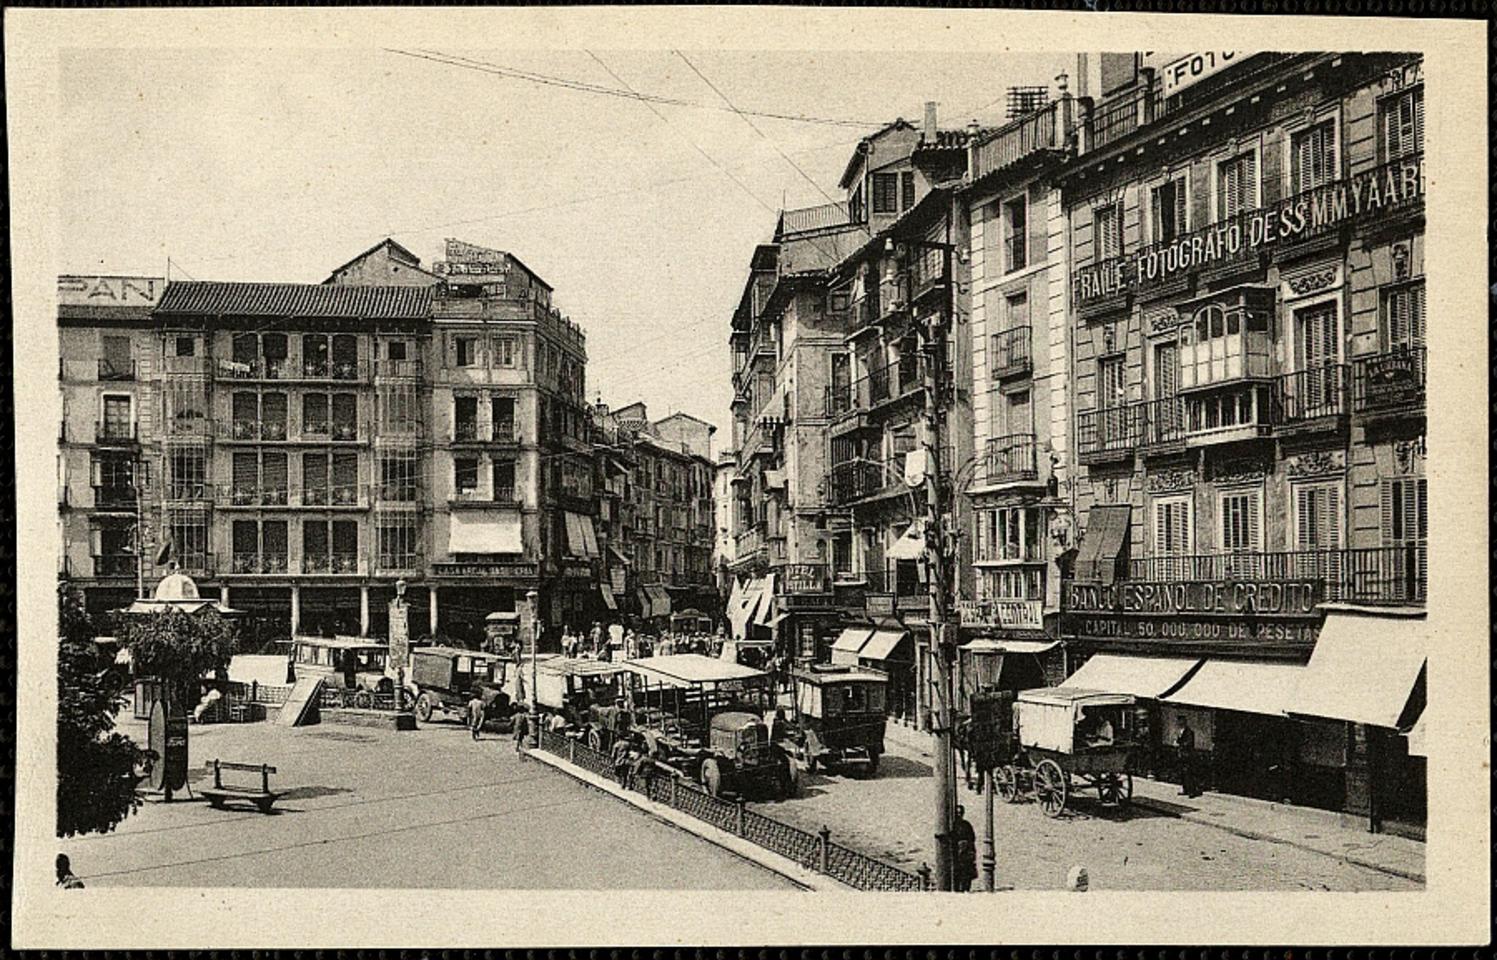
{"points": [[177, 586]]}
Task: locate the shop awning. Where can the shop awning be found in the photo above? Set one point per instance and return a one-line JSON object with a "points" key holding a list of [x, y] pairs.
{"points": [[484, 531], [608, 600], [1247, 687], [1418, 745], [985, 645], [660, 601], [911, 543], [845, 648], [582, 539], [1151, 677], [619, 555], [1102, 543], [1364, 666], [764, 615], [882, 644]]}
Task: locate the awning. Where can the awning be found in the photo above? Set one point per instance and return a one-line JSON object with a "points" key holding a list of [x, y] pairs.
{"points": [[1102, 543], [764, 615], [774, 479], [619, 554], [589, 537], [608, 600], [582, 540], [910, 545], [881, 644], [660, 601], [1151, 677], [1363, 667], [1265, 688], [1010, 646], [1418, 744], [845, 648], [484, 531]]}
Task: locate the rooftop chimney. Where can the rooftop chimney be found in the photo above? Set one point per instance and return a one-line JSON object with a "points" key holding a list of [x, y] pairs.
{"points": [[929, 133]]}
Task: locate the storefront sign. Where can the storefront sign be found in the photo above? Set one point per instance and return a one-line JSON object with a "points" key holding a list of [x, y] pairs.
{"points": [[1016, 614], [1190, 631], [1392, 379], [500, 571], [1264, 598], [1297, 218], [1192, 68], [879, 604], [110, 291]]}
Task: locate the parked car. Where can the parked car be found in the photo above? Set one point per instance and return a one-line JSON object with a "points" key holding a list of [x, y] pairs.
{"points": [[443, 680]]}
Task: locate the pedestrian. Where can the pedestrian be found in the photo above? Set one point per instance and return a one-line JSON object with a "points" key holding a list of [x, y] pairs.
{"points": [[65, 878], [522, 730], [475, 714], [1185, 747], [642, 769], [622, 760], [964, 863], [558, 723]]}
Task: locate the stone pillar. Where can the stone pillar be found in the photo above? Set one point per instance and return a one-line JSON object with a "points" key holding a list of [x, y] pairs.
{"points": [[364, 611], [295, 609], [223, 594], [431, 596]]}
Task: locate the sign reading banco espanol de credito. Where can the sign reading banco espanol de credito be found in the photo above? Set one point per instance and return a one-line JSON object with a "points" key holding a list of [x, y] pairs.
{"points": [[1300, 217], [1264, 598]]}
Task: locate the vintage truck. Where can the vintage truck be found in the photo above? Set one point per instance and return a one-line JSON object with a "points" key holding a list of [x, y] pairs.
{"points": [[443, 679]]}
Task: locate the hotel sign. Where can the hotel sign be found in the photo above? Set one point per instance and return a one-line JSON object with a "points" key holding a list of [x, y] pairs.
{"points": [[1263, 598], [1300, 217]]}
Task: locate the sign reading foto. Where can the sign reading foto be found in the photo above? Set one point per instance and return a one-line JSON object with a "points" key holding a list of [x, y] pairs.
{"points": [[1192, 68]]}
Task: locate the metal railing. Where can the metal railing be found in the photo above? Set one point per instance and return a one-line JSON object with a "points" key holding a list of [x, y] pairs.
{"points": [[1309, 394], [895, 381], [330, 563], [1037, 131], [1010, 351], [1395, 574], [1111, 429], [116, 369], [105, 432], [813, 851], [398, 370], [1389, 381], [1115, 118], [116, 496], [275, 430], [1007, 458], [858, 479], [115, 565], [259, 563]]}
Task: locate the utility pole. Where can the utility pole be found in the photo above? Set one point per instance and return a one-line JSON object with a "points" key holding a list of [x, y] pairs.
{"points": [[534, 599], [938, 582]]}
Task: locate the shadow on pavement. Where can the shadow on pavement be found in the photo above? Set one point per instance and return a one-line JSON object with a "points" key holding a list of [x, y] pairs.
{"points": [[308, 793], [900, 768]]}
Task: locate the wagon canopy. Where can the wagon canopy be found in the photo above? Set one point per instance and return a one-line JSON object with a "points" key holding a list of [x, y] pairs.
{"points": [[688, 669]]}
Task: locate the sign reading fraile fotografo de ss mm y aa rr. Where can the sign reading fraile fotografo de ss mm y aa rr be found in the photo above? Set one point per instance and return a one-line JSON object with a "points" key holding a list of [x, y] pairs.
{"points": [[1379, 191]]}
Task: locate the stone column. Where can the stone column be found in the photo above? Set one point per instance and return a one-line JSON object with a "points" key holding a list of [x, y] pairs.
{"points": [[431, 595], [295, 609], [364, 611]]}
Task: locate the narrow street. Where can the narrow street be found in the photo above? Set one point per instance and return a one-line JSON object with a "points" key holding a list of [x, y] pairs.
{"points": [[423, 809], [1132, 849]]}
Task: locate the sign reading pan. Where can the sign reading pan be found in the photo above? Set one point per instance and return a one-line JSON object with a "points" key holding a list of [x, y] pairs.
{"points": [[1299, 217], [1277, 598]]}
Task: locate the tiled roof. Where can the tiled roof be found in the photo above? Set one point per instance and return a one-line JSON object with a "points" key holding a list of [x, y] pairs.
{"points": [[295, 300], [813, 218]]}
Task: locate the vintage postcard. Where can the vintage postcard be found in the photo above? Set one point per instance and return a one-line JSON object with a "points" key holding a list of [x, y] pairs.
{"points": [[572, 476]]}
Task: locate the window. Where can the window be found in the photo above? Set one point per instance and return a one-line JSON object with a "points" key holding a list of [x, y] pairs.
{"points": [[465, 418], [345, 416], [114, 480], [1166, 369], [396, 538], [504, 351], [1172, 516], [465, 471], [1018, 420], [1112, 383], [1015, 234], [315, 355], [186, 473], [314, 414], [1317, 516], [855, 213], [397, 477], [502, 415], [115, 363], [396, 350], [315, 547], [273, 412], [1168, 216], [1236, 185], [188, 530], [1107, 232], [1400, 125], [504, 481], [1312, 157], [274, 483], [345, 357], [1405, 512], [314, 479], [906, 190], [466, 350], [886, 193], [186, 347], [345, 486], [118, 418], [1403, 318], [1240, 521], [345, 546]]}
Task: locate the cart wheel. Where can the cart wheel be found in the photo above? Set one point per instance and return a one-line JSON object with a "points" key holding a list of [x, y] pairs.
{"points": [[1006, 782], [712, 778], [595, 740], [1109, 789], [423, 708], [1050, 787], [1126, 796]]}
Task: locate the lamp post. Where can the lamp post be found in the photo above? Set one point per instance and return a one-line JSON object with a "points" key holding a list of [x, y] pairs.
{"points": [[533, 598]]}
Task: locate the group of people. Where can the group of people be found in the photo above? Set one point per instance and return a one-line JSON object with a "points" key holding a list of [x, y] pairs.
{"points": [[617, 642]]}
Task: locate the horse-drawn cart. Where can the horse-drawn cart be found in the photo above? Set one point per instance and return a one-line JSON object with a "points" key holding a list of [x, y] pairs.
{"points": [[1061, 739]]}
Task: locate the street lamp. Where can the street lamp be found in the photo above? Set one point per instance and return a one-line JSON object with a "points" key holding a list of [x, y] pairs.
{"points": [[533, 597]]}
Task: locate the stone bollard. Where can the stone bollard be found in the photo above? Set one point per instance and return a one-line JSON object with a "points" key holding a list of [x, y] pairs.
{"points": [[571, 750], [741, 807], [924, 872], [824, 844]]}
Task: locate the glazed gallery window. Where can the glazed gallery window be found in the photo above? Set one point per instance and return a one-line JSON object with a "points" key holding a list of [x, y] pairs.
{"points": [[1403, 318], [1009, 533], [186, 473], [1015, 234], [1312, 154], [1107, 232], [1400, 125], [1023, 583], [1236, 185], [1168, 214]]}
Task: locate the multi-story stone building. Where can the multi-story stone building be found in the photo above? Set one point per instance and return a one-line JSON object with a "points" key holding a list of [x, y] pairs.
{"points": [[1247, 241], [303, 447]]}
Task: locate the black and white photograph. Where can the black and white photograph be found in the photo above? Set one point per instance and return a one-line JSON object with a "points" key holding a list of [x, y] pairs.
{"points": [[662, 464]]}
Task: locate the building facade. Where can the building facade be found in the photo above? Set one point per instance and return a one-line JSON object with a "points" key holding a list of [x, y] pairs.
{"points": [[1248, 317]]}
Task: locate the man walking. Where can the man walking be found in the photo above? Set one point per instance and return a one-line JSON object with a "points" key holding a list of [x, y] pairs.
{"points": [[475, 714], [1185, 748], [964, 864], [522, 730]]}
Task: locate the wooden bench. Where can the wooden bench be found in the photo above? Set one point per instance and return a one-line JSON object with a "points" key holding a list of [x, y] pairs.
{"points": [[218, 794]]}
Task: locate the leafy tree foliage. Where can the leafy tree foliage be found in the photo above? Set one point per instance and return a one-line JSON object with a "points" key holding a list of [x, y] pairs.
{"points": [[96, 766], [180, 649]]}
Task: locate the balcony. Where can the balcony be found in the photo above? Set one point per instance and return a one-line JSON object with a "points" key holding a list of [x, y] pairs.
{"points": [[187, 491], [316, 368], [255, 430], [1110, 433], [116, 565], [254, 495], [107, 433], [1241, 411], [858, 480], [504, 496], [1373, 575], [331, 563], [260, 368], [398, 370], [259, 564], [1389, 385], [909, 593], [750, 543], [896, 381], [1044, 129], [927, 275], [116, 369], [117, 497], [1117, 117], [1009, 356], [194, 366], [1313, 397], [1006, 460]]}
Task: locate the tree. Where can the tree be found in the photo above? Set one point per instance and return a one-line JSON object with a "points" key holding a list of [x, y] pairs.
{"points": [[96, 767], [180, 649]]}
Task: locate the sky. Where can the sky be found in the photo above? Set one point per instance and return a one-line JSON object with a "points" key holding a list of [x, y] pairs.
{"points": [[278, 165]]}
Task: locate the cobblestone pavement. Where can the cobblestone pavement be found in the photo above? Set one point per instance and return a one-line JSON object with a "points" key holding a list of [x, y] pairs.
{"points": [[426, 808], [890, 817]]}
